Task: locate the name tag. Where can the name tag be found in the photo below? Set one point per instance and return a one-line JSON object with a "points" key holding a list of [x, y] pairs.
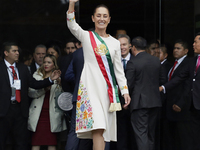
{"points": [[17, 84]]}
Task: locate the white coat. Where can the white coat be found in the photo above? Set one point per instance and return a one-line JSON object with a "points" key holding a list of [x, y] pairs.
{"points": [[57, 120]]}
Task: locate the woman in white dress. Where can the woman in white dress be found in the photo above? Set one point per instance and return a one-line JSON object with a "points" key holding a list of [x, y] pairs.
{"points": [[98, 100]]}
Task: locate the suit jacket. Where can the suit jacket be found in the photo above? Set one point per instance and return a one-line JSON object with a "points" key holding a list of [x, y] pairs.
{"points": [[166, 66], [64, 64], [32, 67], [78, 63], [194, 81], [26, 81], [143, 74], [179, 96], [74, 71]]}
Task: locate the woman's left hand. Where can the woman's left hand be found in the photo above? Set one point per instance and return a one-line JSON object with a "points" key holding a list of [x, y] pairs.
{"points": [[55, 75], [127, 100], [58, 81]]}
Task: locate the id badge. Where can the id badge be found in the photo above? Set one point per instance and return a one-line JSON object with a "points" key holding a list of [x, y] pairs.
{"points": [[17, 84], [13, 91]]}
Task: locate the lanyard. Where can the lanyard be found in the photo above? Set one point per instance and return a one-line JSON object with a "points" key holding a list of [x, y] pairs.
{"points": [[12, 75]]}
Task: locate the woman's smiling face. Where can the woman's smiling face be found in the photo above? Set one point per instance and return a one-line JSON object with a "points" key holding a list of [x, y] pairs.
{"points": [[48, 64], [101, 18]]}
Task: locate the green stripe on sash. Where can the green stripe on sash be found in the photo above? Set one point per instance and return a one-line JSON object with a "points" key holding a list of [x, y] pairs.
{"points": [[110, 66]]}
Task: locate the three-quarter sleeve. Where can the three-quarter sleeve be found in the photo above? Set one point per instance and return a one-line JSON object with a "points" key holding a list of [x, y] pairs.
{"points": [[119, 71]]}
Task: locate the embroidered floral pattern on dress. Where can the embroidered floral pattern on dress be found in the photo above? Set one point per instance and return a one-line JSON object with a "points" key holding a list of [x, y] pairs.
{"points": [[123, 87], [84, 118]]}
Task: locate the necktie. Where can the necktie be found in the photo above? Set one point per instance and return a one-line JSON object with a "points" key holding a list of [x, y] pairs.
{"points": [[17, 92], [198, 63], [124, 63], [170, 75]]}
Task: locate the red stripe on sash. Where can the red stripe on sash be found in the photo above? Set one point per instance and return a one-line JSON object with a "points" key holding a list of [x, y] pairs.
{"points": [[102, 67]]}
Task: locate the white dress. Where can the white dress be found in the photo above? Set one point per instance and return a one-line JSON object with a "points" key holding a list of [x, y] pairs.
{"points": [[92, 111]]}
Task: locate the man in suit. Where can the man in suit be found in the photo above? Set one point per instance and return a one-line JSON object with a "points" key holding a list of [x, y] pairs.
{"points": [[163, 59], [64, 64], [166, 65], [123, 116], [125, 45], [66, 86], [73, 74], [143, 74], [15, 80], [191, 72], [177, 125], [153, 48], [38, 55]]}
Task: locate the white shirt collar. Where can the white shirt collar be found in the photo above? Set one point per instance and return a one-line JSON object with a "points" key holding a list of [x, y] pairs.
{"points": [[37, 66], [8, 64], [163, 61], [127, 58], [181, 59]]}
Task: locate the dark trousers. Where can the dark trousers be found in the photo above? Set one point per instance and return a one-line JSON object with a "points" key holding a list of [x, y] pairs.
{"points": [[177, 135], [124, 131], [144, 123], [14, 124], [72, 140], [195, 117]]}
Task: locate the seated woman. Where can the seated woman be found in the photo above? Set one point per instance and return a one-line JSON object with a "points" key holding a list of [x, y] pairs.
{"points": [[45, 120]]}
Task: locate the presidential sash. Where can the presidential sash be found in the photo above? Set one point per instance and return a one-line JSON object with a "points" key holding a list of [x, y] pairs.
{"points": [[103, 57]]}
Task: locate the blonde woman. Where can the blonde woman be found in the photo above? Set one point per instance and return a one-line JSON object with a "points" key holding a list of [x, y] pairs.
{"points": [[45, 120]]}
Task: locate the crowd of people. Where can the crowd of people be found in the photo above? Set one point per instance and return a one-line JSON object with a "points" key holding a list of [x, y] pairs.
{"points": [[126, 94]]}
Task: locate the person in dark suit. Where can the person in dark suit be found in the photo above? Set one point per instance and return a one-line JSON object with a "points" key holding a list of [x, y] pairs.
{"points": [[71, 46], [177, 125], [153, 48], [73, 74], [123, 117], [66, 86], [163, 59], [166, 65], [38, 55], [15, 80], [64, 64], [143, 74], [191, 72]]}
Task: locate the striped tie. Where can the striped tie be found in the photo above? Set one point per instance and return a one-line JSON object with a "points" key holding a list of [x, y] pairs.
{"points": [[17, 92]]}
